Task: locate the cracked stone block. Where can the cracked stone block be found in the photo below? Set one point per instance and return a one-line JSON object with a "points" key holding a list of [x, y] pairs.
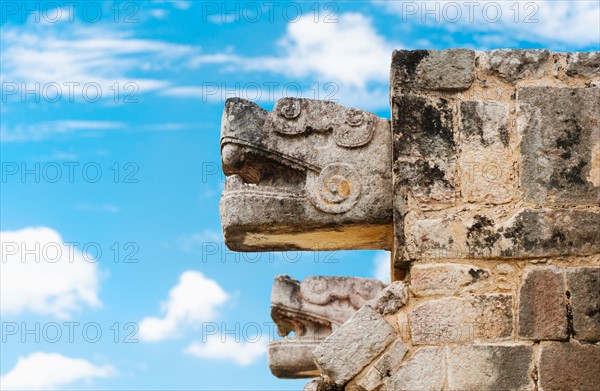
{"points": [[584, 287], [391, 298], [446, 279], [488, 367], [569, 366], [346, 352], [560, 145], [425, 370], [424, 151], [445, 70], [586, 64], [522, 234], [382, 368], [543, 305], [516, 64], [486, 318], [487, 172]]}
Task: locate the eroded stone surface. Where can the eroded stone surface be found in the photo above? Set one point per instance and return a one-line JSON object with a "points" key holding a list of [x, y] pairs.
{"points": [[312, 309], [391, 298], [561, 144], [487, 172], [446, 279], [515, 64], [465, 319], [425, 370], [524, 234], [424, 150], [584, 289], [382, 368], [569, 366], [452, 69], [354, 345], [321, 384], [488, 367], [586, 64], [310, 175], [542, 305]]}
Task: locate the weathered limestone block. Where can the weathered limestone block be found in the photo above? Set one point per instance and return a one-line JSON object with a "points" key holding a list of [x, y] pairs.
{"points": [[524, 234], [586, 64], [584, 289], [391, 298], [489, 367], [452, 69], [543, 305], [424, 150], [487, 175], [382, 368], [471, 318], [424, 370], [569, 366], [310, 175], [446, 279], [346, 352], [312, 309], [516, 64], [561, 144]]}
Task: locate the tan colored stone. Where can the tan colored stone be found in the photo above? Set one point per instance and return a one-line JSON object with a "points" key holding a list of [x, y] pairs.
{"points": [[459, 320], [424, 370], [446, 279]]}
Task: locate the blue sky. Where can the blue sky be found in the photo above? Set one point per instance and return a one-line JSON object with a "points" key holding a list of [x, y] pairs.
{"points": [[110, 120]]}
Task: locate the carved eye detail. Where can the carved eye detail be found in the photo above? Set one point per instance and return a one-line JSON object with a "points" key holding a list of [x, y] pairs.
{"points": [[355, 117], [336, 188], [290, 108]]}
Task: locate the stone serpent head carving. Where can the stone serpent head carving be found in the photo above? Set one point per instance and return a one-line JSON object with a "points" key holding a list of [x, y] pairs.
{"points": [[310, 175]]}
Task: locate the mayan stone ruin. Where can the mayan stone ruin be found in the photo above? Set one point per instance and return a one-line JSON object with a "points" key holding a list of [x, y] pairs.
{"points": [[485, 187]]}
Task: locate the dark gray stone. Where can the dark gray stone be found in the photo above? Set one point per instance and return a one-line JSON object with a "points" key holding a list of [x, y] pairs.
{"points": [[490, 367], [542, 305], [569, 366], [560, 146], [446, 70], [584, 289], [516, 64], [424, 150]]}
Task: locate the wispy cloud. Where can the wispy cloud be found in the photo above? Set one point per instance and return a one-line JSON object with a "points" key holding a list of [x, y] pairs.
{"points": [[46, 129], [556, 23], [45, 371]]}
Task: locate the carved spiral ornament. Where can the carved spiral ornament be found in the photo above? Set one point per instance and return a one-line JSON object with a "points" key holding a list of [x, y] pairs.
{"points": [[335, 189]]}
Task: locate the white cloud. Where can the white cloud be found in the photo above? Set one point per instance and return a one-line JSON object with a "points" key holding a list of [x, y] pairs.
{"points": [[568, 24], [349, 51], [43, 371], [193, 301], [382, 266], [243, 353], [43, 274]]}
